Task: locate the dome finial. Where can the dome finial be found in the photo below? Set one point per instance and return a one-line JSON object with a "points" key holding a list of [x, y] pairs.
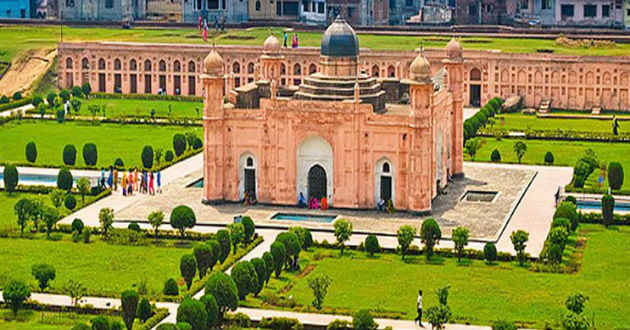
{"points": [[454, 50], [420, 69], [271, 44], [339, 39], [213, 63]]}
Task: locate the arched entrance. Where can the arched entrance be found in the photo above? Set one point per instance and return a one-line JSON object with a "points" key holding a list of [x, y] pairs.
{"points": [[475, 87], [383, 181], [247, 176], [317, 182]]}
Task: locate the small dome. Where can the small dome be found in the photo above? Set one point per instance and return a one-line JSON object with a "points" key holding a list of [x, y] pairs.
{"points": [[420, 69], [454, 50], [271, 45], [213, 63], [340, 40]]}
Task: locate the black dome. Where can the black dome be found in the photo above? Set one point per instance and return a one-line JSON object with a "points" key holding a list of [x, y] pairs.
{"points": [[340, 40]]}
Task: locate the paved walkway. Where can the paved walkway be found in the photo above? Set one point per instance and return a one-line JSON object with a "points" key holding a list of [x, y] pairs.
{"points": [[22, 109], [32, 172], [469, 112], [117, 201]]}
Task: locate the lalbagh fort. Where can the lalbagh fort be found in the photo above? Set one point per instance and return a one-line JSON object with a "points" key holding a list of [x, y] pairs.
{"points": [[340, 165]]}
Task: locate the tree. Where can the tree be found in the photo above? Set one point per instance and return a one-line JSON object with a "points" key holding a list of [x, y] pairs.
{"points": [[83, 185], [405, 237], [246, 278], [169, 156], [90, 154], [15, 293], [64, 179], [147, 157], [261, 271], [460, 238], [490, 253], [156, 218], [237, 234], [304, 235], [472, 146], [343, 231], [36, 100], [212, 310], [43, 273], [249, 228], [76, 91], [371, 245], [430, 234], [203, 256], [76, 105], [144, 310], [608, 207], [363, 320], [170, 287], [216, 252], [319, 285], [549, 158], [64, 94], [183, 217], [22, 209], [69, 154], [567, 210], [267, 257], [179, 144], [278, 252], [106, 219], [615, 175], [495, 156], [70, 202], [194, 313], [17, 96], [519, 149], [10, 177], [57, 196], [222, 287], [101, 323], [519, 238], [197, 143], [50, 98], [86, 89], [129, 305], [188, 268], [292, 248], [31, 152], [573, 319], [159, 152], [75, 290], [223, 237], [50, 216], [439, 315]]}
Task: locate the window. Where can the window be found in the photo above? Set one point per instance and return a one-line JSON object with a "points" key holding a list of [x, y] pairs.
{"points": [[251, 67], [350, 12], [70, 3], [177, 67], [250, 162], [567, 10], [320, 7], [257, 5], [133, 66], [69, 63], [109, 4], [590, 10], [213, 4], [101, 64], [147, 65], [191, 66], [197, 5], [85, 64], [162, 65], [546, 4], [117, 64], [605, 10], [386, 167], [236, 68]]}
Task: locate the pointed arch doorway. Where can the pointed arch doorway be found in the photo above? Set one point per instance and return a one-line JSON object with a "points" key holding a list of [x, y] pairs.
{"points": [[317, 183]]}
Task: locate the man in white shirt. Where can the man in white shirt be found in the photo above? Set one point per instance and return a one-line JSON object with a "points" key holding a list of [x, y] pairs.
{"points": [[419, 306]]}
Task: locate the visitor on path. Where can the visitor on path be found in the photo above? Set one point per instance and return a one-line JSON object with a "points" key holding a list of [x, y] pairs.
{"points": [[294, 41], [101, 182], [380, 205], [301, 201], [130, 183], [135, 179], [123, 184], [142, 184], [324, 204], [159, 181], [615, 125], [286, 37], [419, 307], [116, 178], [110, 178], [151, 187]]}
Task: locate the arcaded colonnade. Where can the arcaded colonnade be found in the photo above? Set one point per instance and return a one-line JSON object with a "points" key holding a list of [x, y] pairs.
{"points": [[570, 82]]}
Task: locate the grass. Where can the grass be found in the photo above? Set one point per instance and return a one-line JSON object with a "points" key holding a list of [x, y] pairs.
{"points": [[112, 140], [21, 38], [479, 293], [565, 152], [521, 122], [117, 108], [36, 320]]}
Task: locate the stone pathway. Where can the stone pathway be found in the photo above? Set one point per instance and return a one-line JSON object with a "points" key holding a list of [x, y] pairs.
{"points": [[23, 109], [27, 170]]}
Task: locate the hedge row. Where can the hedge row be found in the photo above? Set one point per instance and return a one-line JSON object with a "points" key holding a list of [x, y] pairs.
{"points": [[618, 219], [131, 120], [15, 104], [160, 314], [593, 190], [186, 98], [480, 119], [561, 135]]}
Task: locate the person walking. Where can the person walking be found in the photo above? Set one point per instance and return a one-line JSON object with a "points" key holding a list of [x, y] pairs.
{"points": [[116, 178], [419, 307], [110, 178], [159, 181], [286, 37], [135, 179], [151, 185], [615, 125]]}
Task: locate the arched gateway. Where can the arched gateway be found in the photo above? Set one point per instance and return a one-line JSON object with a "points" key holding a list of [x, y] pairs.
{"points": [[315, 168], [316, 182]]}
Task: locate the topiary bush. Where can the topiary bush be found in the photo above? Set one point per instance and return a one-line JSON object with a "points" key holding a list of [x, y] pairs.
{"points": [[197, 143], [212, 310], [179, 144], [194, 313], [371, 245], [222, 287], [169, 156], [170, 287], [69, 154], [280, 323], [76, 91], [495, 157], [64, 94], [615, 175], [549, 158], [363, 320], [70, 202], [567, 210], [608, 207], [490, 253], [144, 310], [246, 278], [90, 155], [31, 152], [77, 225], [86, 89], [10, 178], [119, 164], [249, 226], [36, 100], [134, 226], [183, 217], [147, 157], [61, 116], [64, 179]]}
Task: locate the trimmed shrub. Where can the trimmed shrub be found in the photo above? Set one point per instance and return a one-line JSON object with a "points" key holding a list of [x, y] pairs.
{"points": [[194, 313], [76, 91], [503, 325], [64, 94], [17, 96], [339, 325], [10, 178], [170, 287], [371, 245], [571, 199], [363, 320], [197, 143], [561, 222], [269, 265], [69, 154], [183, 217], [261, 272], [64, 179], [147, 157], [246, 278], [4, 99], [144, 310], [248, 225], [279, 254], [188, 268], [490, 252], [129, 306], [70, 202], [204, 257], [212, 310], [134, 226], [119, 164], [36, 101], [280, 323], [567, 210], [615, 175], [86, 89], [223, 237], [50, 98], [608, 207], [43, 273], [101, 323], [430, 233], [223, 289], [81, 326], [61, 116], [31, 152], [166, 326], [77, 225], [549, 158], [495, 157], [169, 156], [90, 155], [179, 144]]}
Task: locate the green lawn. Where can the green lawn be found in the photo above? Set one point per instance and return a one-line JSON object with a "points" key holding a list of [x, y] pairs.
{"points": [[112, 140], [521, 122], [564, 152], [129, 107], [105, 269], [35, 320], [20, 38], [479, 293]]}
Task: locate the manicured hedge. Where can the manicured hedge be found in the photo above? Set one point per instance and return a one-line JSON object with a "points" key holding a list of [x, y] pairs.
{"points": [[618, 219], [160, 314], [480, 119], [147, 97], [561, 135], [15, 104]]}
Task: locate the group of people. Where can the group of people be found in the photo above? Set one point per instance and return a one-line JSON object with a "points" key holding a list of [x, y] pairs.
{"points": [[384, 206], [295, 41], [313, 203], [249, 198], [144, 182]]}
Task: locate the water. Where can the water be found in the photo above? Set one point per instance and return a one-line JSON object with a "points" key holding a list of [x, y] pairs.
{"points": [[197, 184], [597, 206], [37, 179], [304, 217]]}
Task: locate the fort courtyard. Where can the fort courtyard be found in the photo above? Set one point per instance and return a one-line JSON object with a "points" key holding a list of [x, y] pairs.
{"points": [[151, 180]]}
